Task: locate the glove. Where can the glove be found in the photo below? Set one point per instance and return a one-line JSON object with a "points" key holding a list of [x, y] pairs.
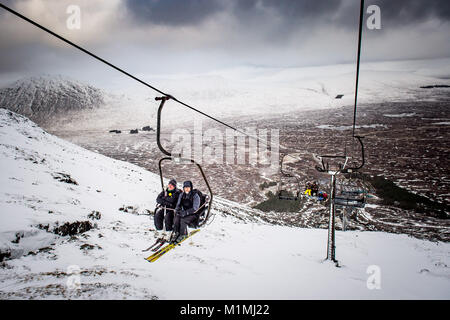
{"points": [[168, 204], [182, 213]]}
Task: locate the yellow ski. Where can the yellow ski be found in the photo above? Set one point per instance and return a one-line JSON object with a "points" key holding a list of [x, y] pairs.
{"points": [[168, 247]]}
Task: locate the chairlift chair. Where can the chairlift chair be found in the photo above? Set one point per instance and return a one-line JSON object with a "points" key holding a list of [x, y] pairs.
{"points": [[204, 211], [351, 191], [284, 194]]}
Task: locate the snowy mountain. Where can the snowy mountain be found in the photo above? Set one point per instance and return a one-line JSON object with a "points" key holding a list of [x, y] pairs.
{"points": [[59, 103], [62, 224], [42, 98]]}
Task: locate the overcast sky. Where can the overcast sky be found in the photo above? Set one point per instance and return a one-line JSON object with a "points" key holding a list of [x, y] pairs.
{"points": [[172, 36]]}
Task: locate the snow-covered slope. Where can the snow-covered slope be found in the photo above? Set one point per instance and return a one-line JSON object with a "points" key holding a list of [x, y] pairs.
{"points": [[237, 256]]}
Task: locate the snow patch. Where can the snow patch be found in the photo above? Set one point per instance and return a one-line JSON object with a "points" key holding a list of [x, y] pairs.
{"points": [[401, 115], [343, 128]]}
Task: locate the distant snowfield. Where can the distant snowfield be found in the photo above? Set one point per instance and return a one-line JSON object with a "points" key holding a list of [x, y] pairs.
{"points": [[249, 91], [230, 259], [343, 128], [246, 91], [401, 115]]}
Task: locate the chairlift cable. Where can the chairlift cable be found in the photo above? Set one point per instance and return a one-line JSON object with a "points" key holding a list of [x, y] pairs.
{"points": [[128, 74], [361, 21], [259, 140]]}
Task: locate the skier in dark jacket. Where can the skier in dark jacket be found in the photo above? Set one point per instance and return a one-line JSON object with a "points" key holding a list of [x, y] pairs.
{"points": [[185, 211], [167, 201]]}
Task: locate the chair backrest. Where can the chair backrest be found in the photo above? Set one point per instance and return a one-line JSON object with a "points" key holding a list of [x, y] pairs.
{"points": [[202, 209], [202, 201]]}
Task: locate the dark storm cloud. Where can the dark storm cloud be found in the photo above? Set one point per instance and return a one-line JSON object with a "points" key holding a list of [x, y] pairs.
{"points": [[262, 32], [293, 12], [413, 11], [173, 12], [193, 12]]}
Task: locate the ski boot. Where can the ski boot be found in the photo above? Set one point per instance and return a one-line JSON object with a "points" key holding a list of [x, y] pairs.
{"points": [[180, 238], [173, 237]]}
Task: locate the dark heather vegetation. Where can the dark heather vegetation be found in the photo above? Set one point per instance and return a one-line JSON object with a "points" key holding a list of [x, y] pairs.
{"points": [[393, 195], [266, 185], [273, 203]]}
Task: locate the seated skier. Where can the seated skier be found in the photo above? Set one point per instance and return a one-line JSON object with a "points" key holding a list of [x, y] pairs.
{"points": [[164, 213], [186, 211]]}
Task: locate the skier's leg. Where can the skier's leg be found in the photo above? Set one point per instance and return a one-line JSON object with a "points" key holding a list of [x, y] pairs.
{"points": [[183, 227], [185, 222], [176, 224], [168, 220], [158, 219], [176, 228]]}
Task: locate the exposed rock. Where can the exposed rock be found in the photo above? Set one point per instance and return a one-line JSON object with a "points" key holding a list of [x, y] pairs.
{"points": [[95, 215], [68, 228], [435, 86], [148, 128], [5, 255], [64, 177], [88, 246], [19, 235]]}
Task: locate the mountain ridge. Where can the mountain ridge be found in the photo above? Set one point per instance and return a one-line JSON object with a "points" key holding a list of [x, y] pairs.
{"points": [[41, 98]]}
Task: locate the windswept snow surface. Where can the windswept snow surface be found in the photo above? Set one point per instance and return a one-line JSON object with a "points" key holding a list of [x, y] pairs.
{"points": [[252, 90], [236, 257], [244, 91]]}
